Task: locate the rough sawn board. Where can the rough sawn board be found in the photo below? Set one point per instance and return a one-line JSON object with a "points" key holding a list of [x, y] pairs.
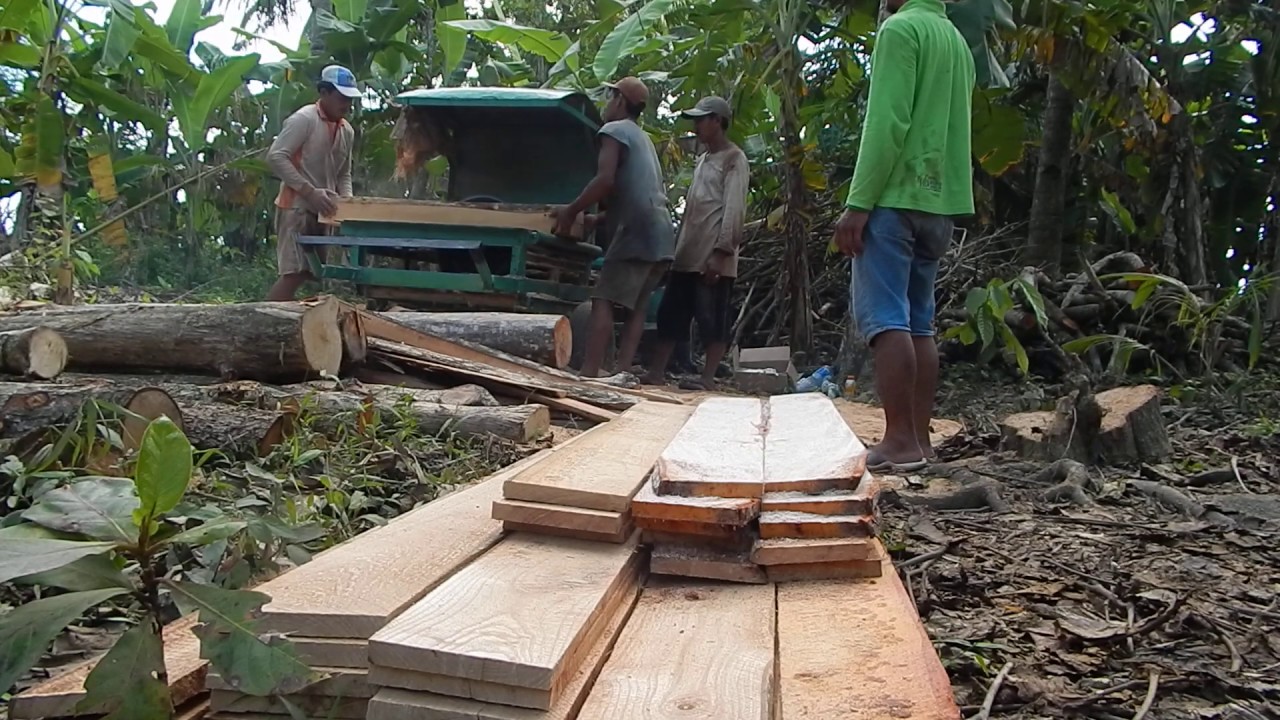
{"points": [[718, 453], [809, 447]]}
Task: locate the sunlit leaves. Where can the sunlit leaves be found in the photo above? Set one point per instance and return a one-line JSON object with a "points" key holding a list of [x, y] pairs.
{"points": [[164, 467], [27, 630], [548, 44], [126, 681]]}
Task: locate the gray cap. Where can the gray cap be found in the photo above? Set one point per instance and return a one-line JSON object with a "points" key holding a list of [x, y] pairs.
{"points": [[710, 105]]}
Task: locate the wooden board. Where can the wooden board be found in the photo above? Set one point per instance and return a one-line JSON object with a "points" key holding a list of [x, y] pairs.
{"points": [[574, 407], [718, 453], [791, 551], [733, 512], [600, 522], [353, 589], [59, 696], [340, 682], [809, 447], [824, 571], [393, 704], [692, 651], [332, 652], [615, 538], [698, 562], [695, 529], [855, 650], [807, 525], [317, 706], [859, 501], [603, 468], [425, 212], [480, 624]]}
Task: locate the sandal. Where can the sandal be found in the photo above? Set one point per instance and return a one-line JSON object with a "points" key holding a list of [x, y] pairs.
{"points": [[876, 464]]}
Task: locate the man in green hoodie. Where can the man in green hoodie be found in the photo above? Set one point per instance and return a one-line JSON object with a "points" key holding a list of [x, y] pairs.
{"points": [[913, 177]]}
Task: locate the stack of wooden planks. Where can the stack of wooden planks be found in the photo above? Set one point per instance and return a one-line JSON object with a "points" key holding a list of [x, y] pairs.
{"points": [[585, 490], [765, 490]]}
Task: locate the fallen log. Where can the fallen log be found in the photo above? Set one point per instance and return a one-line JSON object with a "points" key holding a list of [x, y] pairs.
{"points": [[237, 431], [261, 341], [29, 410], [37, 352], [545, 339], [519, 423]]}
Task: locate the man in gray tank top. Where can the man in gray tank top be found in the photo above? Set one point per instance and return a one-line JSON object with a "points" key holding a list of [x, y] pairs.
{"points": [[629, 186]]}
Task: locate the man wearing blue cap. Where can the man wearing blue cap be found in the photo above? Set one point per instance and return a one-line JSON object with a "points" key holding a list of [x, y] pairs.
{"points": [[312, 158]]}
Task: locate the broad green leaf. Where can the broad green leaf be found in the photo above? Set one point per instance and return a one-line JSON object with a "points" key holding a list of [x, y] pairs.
{"points": [[40, 155], [1144, 293], [95, 572], [218, 529], [122, 33], [183, 23], [101, 508], [566, 65], [7, 168], [547, 44], [252, 662], [214, 90], [14, 14], [1001, 299], [1081, 345], [154, 45], [27, 556], [27, 630], [975, 19], [622, 41], [974, 300], [967, 335], [126, 681], [164, 467], [18, 55], [1118, 213], [90, 91], [453, 41], [1035, 300], [1020, 353], [999, 134], [350, 10], [986, 327]]}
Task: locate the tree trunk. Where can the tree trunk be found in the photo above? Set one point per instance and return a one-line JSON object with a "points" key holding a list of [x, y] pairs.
{"points": [[29, 410], [1044, 241], [235, 430], [546, 339], [261, 341], [36, 352], [520, 423]]}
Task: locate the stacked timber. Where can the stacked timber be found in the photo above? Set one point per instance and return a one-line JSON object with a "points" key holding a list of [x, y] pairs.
{"points": [[331, 606], [765, 490], [584, 491]]}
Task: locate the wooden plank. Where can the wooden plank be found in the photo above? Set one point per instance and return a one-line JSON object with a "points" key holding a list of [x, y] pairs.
{"points": [[619, 537], [532, 514], [859, 501], [692, 650], [809, 447], [855, 650], [603, 468], [425, 212], [788, 524], [718, 453], [59, 695], [733, 512], [698, 562], [319, 706], [574, 407], [791, 551], [823, 571], [393, 704], [684, 527], [332, 652], [480, 623], [339, 682], [353, 589]]}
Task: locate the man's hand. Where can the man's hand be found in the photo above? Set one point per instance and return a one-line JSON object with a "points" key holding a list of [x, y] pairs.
{"points": [[324, 202], [564, 221], [849, 229], [715, 266]]}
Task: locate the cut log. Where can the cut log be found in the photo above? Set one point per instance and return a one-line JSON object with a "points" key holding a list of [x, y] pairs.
{"points": [[261, 341], [519, 423], [1120, 426], [235, 430], [470, 395], [37, 352], [29, 410], [546, 339]]}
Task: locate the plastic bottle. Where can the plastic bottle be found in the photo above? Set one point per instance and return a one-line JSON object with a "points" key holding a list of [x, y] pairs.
{"points": [[850, 388], [814, 382], [830, 389]]}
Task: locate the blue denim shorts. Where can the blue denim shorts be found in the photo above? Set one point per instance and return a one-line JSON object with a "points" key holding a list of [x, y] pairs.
{"points": [[892, 283]]}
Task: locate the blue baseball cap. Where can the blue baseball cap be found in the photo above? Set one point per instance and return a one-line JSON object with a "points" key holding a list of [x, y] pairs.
{"points": [[342, 79]]}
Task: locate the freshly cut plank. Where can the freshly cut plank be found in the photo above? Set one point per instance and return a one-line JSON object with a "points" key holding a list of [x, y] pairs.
{"points": [[393, 704], [491, 215], [718, 453], [858, 501], [332, 652], [480, 623], [317, 706], [793, 551], [692, 651], [698, 562], [340, 682], [855, 650], [824, 571], [574, 407], [607, 537], [807, 525], [602, 468], [809, 447], [58, 696], [353, 589], [733, 512], [559, 516], [546, 339]]}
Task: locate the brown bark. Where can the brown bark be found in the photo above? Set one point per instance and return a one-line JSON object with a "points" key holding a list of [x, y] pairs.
{"points": [[29, 410], [1044, 236], [36, 352], [236, 431], [1119, 426], [545, 339], [262, 341], [521, 423]]}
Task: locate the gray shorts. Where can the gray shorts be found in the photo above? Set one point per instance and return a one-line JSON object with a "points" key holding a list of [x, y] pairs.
{"points": [[291, 257], [628, 282]]}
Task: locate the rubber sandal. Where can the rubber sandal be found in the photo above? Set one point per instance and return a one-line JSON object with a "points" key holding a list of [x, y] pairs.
{"points": [[692, 384], [887, 466]]}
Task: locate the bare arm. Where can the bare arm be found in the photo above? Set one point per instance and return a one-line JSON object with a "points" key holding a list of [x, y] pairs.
{"points": [[602, 184]]}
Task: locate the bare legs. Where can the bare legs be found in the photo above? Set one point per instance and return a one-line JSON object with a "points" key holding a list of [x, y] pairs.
{"points": [[598, 337], [657, 374], [926, 351], [906, 381], [715, 353], [286, 286]]}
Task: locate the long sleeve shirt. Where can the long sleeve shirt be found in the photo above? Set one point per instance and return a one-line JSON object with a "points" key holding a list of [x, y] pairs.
{"points": [[311, 152], [916, 144], [715, 211]]}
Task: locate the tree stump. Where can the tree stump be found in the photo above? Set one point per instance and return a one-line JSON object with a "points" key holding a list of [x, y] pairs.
{"points": [[1119, 426], [36, 352], [1133, 428]]}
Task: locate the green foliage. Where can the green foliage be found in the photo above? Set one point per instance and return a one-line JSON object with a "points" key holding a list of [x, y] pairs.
{"points": [[213, 91], [548, 44], [26, 631], [98, 507], [627, 37], [126, 681], [27, 556], [988, 309], [164, 469]]}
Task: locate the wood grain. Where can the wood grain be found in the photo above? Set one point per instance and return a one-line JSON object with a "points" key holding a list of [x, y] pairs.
{"points": [[618, 537], [533, 514], [339, 682], [318, 706], [859, 501], [789, 524], [733, 512], [691, 651], [332, 652], [855, 650], [481, 624], [351, 590], [436, 213], [683, 527], [603, 468], [706, 563], [824, 571], [790, 551], [58, 696], [719, 452], [809, 447]]}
